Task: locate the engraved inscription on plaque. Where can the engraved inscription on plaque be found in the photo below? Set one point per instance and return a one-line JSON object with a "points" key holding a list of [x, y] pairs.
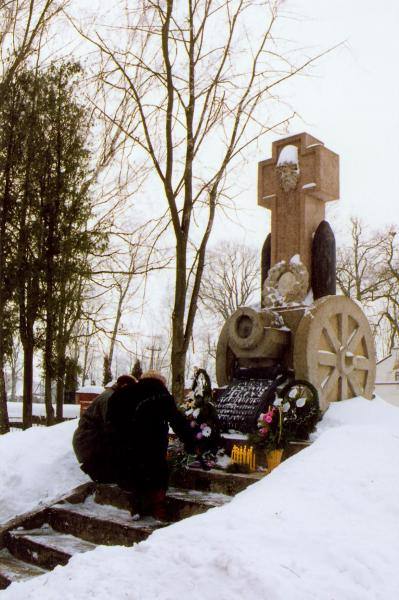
{"points": [[239, 406]]}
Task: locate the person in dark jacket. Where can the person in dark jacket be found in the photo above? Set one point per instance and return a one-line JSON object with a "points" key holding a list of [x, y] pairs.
{"points": [[141, 415], [94, 440]]}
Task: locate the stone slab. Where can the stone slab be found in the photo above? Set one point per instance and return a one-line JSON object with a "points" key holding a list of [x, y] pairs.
{"points": [[13, 570]]}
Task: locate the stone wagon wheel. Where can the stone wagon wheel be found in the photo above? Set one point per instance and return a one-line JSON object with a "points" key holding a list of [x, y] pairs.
{"points": [[334, 350]]}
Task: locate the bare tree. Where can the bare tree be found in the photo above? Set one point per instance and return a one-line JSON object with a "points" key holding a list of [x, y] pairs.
{"points": [[200, 101], [85, 335], [22, 25], [231, 278], [359, 272], [140, 263], [368, 271], [388, 294]]}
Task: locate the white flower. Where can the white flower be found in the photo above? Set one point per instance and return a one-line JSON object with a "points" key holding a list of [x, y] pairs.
{"points": [[286, 407], [196, 412], [277, 402], [206, 431], [292, 393], [301, 402], [189, 412]]}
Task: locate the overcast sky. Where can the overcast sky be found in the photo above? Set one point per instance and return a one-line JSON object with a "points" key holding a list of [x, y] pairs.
{"points": [[350, 101]]}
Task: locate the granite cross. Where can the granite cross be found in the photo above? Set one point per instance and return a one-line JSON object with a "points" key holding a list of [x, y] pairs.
{"points": [[295, 184]]}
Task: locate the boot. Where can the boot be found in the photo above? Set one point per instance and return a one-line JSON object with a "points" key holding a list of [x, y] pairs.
{"points": [[157, 502]]}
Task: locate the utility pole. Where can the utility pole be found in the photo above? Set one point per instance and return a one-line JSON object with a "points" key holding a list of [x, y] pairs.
{"points": [[153, 350]]}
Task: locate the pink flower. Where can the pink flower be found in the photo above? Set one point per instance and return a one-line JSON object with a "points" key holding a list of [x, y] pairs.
{"points": [[268, 418], [199, 436], [264, 430], [193, 424], [203, 425]]}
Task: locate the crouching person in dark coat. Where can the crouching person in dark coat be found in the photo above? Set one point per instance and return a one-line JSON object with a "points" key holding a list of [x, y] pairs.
{"points": [[142, 415], [95, 439]]}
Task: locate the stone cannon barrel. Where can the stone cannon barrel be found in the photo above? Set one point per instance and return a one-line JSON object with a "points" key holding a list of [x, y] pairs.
{"points": [[328, 343], [250, 340]]}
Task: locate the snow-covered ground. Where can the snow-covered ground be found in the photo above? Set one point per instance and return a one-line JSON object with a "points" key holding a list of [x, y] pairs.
{"points": [[36, 465], [39, 410], [324, 525]]}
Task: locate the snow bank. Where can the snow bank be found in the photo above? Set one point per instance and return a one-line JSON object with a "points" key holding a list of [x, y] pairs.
{"points": [[36, 466], [322, 526]]}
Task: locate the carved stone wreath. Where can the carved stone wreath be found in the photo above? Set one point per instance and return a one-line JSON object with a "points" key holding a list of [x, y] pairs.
{"points": [[286, 282], [271, 318]]}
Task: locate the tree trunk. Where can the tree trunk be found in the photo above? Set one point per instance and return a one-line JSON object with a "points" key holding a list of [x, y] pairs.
{"points": [[4, 421], [86, 351], [48, 400], [178, 373], [48, 368], [59, 402], [60, 398], [28, 386], [122, 295], [85, 365], [118, 317], [178, 341], [14, 379], [5, 204]]}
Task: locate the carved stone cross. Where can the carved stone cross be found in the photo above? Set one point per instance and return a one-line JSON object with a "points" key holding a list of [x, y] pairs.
{"points": [[295, 184]]}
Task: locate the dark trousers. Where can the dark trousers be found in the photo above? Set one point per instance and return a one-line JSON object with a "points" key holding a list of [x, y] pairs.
{"points": [[149, 503]]}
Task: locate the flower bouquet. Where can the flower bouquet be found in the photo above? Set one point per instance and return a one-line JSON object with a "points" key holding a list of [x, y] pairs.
{"points": [[205, 431], [203, 420], [292, 416], [299, 404], [270, 433]]}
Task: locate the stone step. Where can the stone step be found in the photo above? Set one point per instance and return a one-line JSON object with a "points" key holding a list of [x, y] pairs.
{"points": [[213, 480], [12, 569], [100, 524], [44, 546], [180, 503], [183, 503]]}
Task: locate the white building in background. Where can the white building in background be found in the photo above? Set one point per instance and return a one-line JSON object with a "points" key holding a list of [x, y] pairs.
{"points": [[387, 377]]}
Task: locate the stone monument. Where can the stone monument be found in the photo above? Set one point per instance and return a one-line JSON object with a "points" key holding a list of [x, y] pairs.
{"points": [[303, 326]]}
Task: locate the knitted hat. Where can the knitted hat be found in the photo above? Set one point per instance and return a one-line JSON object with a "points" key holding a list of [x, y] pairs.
{"points": [[154, 375], [125, 380]]}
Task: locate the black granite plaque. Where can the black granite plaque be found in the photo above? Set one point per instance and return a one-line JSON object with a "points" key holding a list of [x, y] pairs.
{"points": [[240, 405]]}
